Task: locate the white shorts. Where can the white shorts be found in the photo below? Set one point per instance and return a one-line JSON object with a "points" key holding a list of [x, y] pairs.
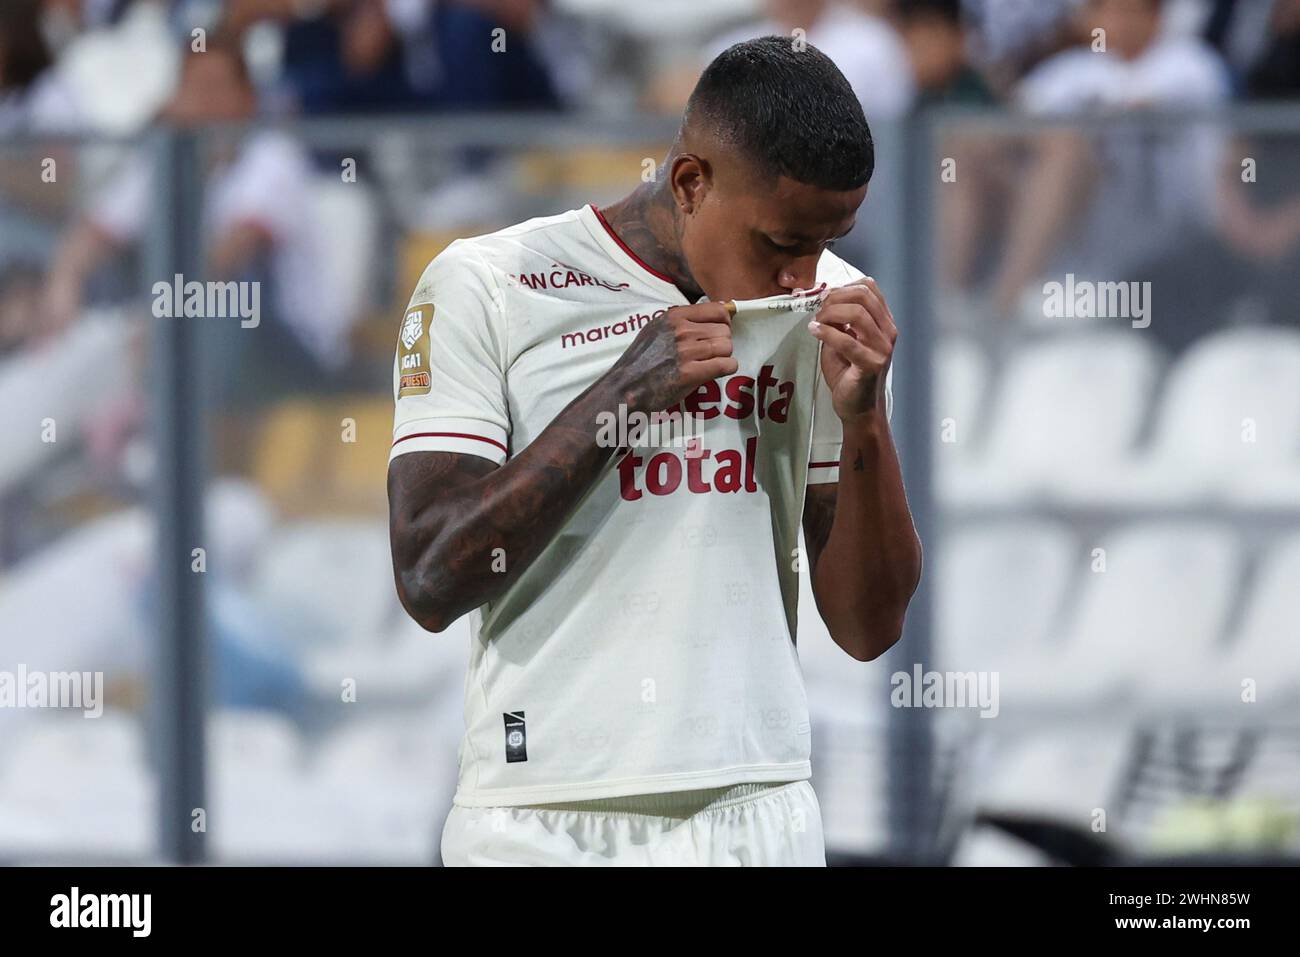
{"points": [[765, 825]]}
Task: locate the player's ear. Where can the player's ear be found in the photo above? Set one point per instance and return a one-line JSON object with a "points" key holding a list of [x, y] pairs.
{"points": [[689, 181]]}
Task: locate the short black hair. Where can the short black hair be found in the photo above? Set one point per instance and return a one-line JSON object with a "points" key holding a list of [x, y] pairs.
{"points": [[789, 109]]}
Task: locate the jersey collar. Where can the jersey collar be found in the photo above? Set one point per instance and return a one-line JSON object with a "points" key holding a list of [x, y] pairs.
{"points": [[622, 254]]}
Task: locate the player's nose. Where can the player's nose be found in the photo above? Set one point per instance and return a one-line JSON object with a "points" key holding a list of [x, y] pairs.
{"points": [[800, 274]]}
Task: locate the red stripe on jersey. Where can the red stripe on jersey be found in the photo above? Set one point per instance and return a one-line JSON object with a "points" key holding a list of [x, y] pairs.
{"points": [[452, 435], [627, 249], [823, 465]]}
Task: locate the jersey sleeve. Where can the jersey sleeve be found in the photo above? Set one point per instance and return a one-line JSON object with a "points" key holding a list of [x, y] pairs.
{"points": [[827, 436], [827, 433], [449, 383]]}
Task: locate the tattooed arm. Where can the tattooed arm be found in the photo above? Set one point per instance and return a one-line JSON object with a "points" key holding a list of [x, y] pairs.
{"points": [[448, 513], [863, 553]]}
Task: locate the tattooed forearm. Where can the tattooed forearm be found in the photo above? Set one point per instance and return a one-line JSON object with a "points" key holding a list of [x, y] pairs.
{"points": [[866, 558], [450, 513], [818, 517], [462, 530]]}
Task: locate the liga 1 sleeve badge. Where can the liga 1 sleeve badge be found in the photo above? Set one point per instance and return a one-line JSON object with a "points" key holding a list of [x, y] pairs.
{"points": [[413, 363]]}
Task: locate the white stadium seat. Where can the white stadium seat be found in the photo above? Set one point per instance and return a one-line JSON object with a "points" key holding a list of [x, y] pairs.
{"points": [[328, 581], [999, 591], [404, 664], [1156, 612], [1227, 426], [1066, 775], [961, 378], [79, 789], [999, 588], [1066, 410], [398, 774], [240, 741], [1266, 648], [262, 805]]}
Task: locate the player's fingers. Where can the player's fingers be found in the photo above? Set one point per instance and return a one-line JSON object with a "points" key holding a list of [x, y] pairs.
{"points": [[711, 368], [862, 356], [700, 349], [885, 315], [687, 331], [853, 320], [865, 293], [707, 312]]}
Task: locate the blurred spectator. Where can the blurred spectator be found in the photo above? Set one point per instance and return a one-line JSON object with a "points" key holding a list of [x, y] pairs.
{"points": [[118, 58], [20, 304], [936, 40], [866, 48], [1246, 263], [1010, 37], [406, 55], [1239, 30], [1277, 72], [1248, 260], [259, 218], [1083, 192], [107, 563], [33, 97]]}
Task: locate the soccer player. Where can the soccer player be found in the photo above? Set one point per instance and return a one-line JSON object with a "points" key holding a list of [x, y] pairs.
{"points": [[634, 694]]}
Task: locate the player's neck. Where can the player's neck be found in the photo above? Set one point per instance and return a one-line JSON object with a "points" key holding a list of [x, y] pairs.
{"points": [[648, 221]]}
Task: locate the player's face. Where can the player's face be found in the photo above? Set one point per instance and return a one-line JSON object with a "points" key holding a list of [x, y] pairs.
{"points": [[750, 238]]}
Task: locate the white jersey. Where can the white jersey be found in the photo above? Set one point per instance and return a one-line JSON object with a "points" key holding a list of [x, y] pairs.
{"points": [[650, 647]]}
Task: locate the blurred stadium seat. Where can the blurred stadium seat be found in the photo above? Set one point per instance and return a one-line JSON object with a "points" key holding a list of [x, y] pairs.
{"points": [[327, 581], [1265, 648], [1067, 409], [1228, 418], [1000, 591], [78, 788], [961, 383], [1163, 597]]}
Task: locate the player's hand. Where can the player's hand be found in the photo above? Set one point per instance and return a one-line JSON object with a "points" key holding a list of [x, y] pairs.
{"points": [[858, 334], [674, 354]]}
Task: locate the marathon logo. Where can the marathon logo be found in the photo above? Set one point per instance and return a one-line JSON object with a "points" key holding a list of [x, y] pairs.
{"points": [[623, 327]]}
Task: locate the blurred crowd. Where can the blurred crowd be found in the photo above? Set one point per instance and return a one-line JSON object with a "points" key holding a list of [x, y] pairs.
{"points": [[116, 67], [111, 65]]}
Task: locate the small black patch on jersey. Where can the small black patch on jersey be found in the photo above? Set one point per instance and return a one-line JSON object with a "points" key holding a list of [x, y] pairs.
{"points": [[516, 737]]}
